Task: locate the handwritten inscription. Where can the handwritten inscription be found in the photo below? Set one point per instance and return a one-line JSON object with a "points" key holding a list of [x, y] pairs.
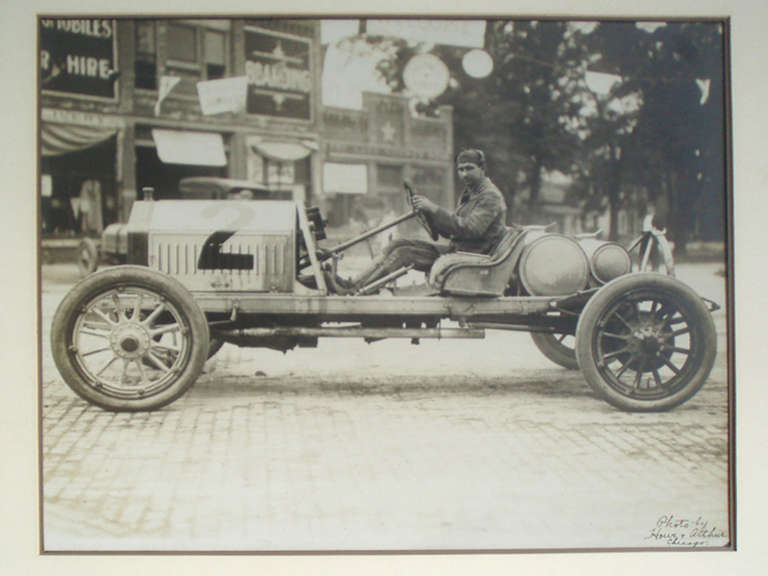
{"points": [[688, 532]]}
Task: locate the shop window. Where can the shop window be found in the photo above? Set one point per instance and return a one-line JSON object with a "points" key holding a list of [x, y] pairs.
{"points": [[389, 176], [145, 62], [280, 173], [195, 52], [182, 43], [182, 57], [78, 191], [215, 54], [428, 176]]}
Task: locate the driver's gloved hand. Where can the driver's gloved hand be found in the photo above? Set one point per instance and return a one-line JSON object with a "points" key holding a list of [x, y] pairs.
{"points": [[424, 204]]}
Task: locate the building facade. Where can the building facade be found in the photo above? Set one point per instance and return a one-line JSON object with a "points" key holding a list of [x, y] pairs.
{"points": [[369, 152], [121, 108], [130, 103]]}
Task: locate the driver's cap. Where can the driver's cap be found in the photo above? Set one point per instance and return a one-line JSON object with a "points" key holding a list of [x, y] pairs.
{"points": [[472, 156]]}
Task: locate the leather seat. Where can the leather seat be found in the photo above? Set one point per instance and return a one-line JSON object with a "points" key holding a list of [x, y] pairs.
{"points": [[470, 274]]}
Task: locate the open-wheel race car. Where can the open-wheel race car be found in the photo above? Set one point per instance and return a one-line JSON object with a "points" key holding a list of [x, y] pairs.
{"points": [[197, 273]]}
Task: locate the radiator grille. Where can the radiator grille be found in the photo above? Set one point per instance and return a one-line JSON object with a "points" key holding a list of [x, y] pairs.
{"points": [[242, 262]]}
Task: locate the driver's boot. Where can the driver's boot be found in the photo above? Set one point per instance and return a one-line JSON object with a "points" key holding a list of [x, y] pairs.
{"points": [[339, 285]]}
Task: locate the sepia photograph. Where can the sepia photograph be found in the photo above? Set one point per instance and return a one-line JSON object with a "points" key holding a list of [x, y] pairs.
{"points": [[344, 285]]}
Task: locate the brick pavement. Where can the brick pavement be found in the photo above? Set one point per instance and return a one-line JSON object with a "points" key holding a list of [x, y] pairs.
{"points": [[381, 447]]}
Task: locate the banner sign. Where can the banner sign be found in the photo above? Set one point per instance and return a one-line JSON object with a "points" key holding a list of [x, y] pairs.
{"points": [[279, 74], [463, 33], [223, 95], [78, 56]]}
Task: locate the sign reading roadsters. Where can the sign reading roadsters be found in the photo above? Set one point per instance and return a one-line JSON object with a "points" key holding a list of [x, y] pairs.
{"points": [[279, 74]]}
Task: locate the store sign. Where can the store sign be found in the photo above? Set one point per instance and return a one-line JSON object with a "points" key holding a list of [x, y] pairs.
{"points": [[78, 56], [373, 151], [345, 178], [190, 148], [279, 74], [60, 116]]}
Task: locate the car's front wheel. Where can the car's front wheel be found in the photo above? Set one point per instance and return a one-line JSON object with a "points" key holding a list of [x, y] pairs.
{"points": [[646, 342], [129, 338]]}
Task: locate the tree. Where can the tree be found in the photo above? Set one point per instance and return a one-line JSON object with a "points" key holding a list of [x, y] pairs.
{"points": [[539, 65], [660, 128], [607, 121], [676, 150]]}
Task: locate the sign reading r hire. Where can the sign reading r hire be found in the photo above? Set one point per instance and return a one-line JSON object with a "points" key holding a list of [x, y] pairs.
{"points": [[77, 56]]}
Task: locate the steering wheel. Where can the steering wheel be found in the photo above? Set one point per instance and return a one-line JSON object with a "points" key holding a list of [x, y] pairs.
{"points": [[424, 219]]}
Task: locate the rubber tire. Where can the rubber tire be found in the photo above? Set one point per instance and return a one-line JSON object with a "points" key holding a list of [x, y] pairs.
{"points": [[169, 288], [87, 257], [702, 330], [555, 351]]}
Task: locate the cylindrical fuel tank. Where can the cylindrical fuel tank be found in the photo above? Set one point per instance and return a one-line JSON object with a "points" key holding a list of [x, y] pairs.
{"points": [[607, 260], [554, 265]]}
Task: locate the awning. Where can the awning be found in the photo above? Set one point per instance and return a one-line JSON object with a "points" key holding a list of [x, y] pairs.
{"points": [[283, 151], [58, 139], [192, 148]]}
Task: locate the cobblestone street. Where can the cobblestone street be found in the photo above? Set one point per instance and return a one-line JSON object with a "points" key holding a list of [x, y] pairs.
{"points": [[470, 445]]}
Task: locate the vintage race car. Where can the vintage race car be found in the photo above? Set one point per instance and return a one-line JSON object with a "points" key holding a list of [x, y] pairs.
{"points": [[201, 272]]}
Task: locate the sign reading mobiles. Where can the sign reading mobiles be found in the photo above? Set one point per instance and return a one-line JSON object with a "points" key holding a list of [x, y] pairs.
{"points": [[77, 56], [279, 74]]}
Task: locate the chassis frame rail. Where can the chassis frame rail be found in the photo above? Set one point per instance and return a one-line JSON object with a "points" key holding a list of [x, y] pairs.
{"points": [[235, 304]]}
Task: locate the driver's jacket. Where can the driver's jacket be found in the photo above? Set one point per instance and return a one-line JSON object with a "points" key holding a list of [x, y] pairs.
{"points": [[478, 223]]}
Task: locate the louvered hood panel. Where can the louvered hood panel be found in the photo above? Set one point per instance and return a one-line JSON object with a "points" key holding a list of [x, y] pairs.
{"points": [[242, 262], [247, 247]]}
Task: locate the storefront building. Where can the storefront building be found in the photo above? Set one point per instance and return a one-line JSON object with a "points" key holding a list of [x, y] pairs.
{"points": [[132, 103], [369, 152]]}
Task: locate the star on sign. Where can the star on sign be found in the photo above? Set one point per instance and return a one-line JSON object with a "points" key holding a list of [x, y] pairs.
{"points": [[388, 131], [279, 99]]}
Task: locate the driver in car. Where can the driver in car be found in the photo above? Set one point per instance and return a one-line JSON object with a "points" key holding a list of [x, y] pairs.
{"points": [[477, 225]]}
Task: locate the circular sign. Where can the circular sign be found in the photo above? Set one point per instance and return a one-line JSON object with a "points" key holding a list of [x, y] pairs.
{"points": [[426, 75], [477, 63]]}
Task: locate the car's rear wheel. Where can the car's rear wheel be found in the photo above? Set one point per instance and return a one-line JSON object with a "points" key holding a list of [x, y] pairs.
{"points": [[646, 342], [559, 348], [129, 339]]}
